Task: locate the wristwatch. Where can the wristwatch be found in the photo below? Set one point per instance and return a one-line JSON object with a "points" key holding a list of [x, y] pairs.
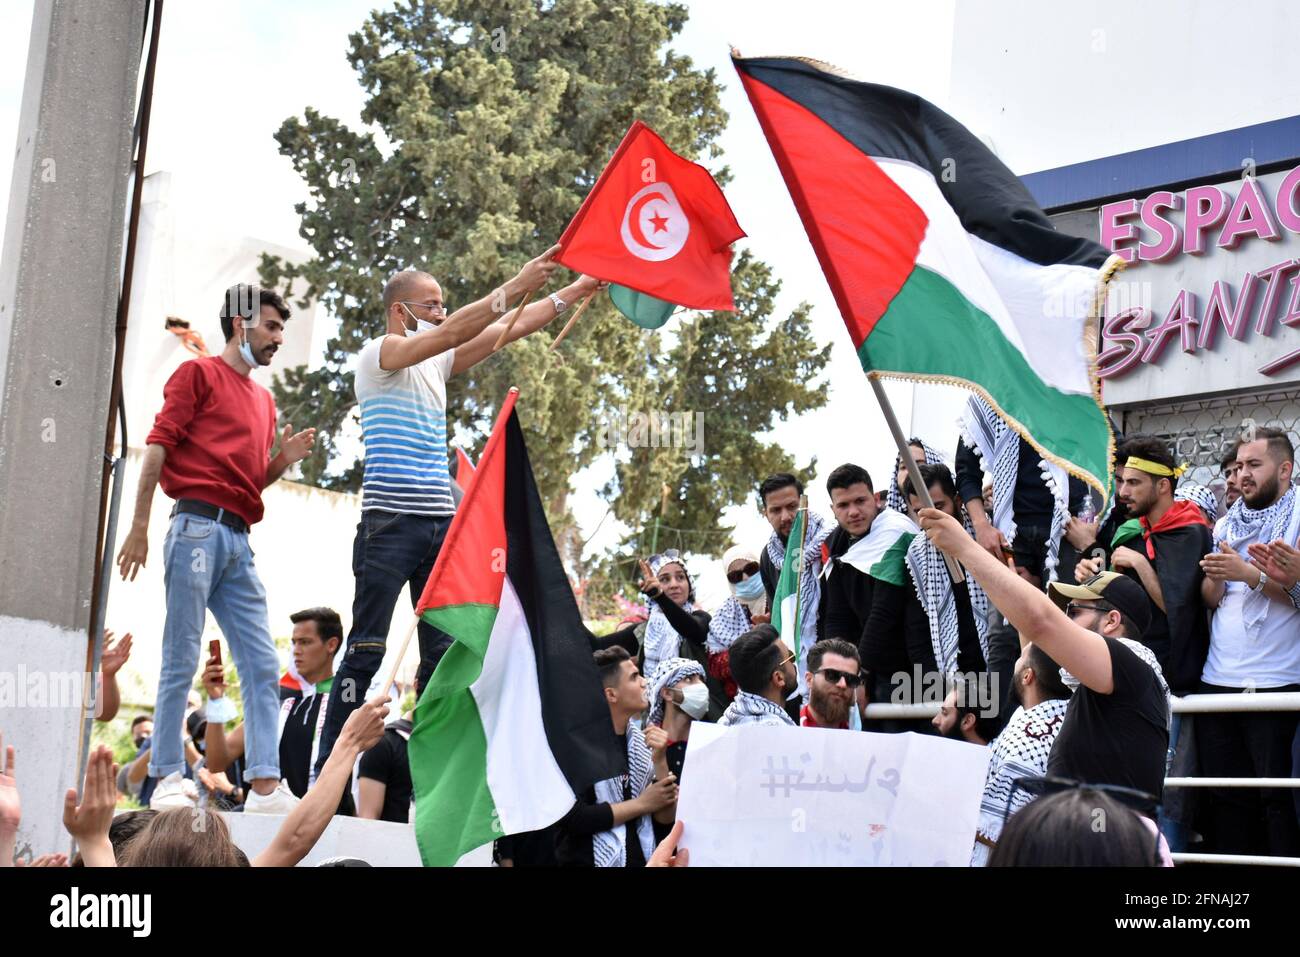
{"points": [[1263, 580], [559, 304], [1294, 594]]}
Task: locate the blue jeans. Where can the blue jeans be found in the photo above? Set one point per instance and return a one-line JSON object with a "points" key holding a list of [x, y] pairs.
{"points": [[392, 551], [209, 565]]}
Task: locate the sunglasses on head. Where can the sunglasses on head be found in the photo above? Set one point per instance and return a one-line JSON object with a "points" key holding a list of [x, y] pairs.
{"points": [[741, 574], [833, 675]]}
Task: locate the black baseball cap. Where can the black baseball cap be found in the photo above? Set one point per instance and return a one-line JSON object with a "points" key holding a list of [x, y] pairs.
{"points": [[1117, 590]]}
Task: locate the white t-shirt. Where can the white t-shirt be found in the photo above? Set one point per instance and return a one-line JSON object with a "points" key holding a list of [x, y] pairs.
{"points": [[1270, 660], [404, 427]]}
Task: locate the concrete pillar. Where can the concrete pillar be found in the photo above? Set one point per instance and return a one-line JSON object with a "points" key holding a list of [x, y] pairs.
{"points": [[59, 282]]}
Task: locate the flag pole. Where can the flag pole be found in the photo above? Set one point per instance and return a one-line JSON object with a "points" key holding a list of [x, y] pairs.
{"points": [[572, 319], [510, 323], [397, 662], [913, 471], [798, 581]]}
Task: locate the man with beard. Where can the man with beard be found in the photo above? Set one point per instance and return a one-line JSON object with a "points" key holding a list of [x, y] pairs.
{"points": [[210, 449], [1253, 648], [1231, 473], [1116, 729], [1022, 749], [963, 716], [834, 674], [764, 671]]}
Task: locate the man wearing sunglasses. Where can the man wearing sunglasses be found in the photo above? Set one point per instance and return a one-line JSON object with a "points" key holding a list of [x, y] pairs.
{"points": [[1116, 728], [834, 675], [406, 501]]}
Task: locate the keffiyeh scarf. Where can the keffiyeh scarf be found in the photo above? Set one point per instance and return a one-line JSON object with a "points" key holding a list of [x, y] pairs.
{"points": [[609, 848], [1147, 655], [809, 583], [998, 446], [1202, 496], [728, 623], [1020, 751], [661, 639], [669, 672], [934, 589], [1244, 526], [894, 498], [749, 708]]}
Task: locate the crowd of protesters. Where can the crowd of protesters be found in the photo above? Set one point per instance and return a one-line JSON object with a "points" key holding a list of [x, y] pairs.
{"points": [[1057, 628]]}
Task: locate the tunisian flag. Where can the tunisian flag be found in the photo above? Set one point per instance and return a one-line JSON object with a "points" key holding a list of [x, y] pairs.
{"points": [[657, 224]]}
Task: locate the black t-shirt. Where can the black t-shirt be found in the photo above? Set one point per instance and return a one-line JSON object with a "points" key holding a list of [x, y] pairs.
{"points": [[573, 838], [1119, 738], [387, 763]]}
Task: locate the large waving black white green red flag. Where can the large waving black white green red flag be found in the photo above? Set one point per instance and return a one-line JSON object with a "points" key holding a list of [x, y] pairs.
{"points": [[513, 723], [656, 226], [943, 267]]}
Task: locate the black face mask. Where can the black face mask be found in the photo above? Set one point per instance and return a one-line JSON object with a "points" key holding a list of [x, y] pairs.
{"points": [[139, 742]]}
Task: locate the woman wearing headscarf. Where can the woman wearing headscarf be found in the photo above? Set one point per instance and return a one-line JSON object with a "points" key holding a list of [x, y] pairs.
{"points": [[745, 608]]}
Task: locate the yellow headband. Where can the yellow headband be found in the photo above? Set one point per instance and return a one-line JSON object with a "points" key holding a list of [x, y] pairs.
{"points": [[1153, 468]]}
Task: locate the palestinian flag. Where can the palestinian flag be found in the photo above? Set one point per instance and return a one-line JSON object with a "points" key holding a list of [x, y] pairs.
{"points": [[882, 552], [513, 722], [943, 267], [787, 614], [658, 228]]}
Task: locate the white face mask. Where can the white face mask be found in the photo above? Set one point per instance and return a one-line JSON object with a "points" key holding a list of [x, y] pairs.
{"points": [[420, 324], [695, 699]]}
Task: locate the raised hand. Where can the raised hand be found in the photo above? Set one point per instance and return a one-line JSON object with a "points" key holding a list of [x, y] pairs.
{"points": [[11, 811], [656, 739], [1278, 560], [649, 584], [296, 446], [1226, 565], [214, 678], [114, 655], [365, 726], [660, 793], [537, 272], [89, 821]]}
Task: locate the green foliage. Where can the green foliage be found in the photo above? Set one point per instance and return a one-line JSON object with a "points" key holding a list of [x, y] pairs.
{"points": [[488, 125]]}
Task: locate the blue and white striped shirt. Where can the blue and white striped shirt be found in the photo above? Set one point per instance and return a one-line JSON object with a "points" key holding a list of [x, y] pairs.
{"points": [[404, 427]]}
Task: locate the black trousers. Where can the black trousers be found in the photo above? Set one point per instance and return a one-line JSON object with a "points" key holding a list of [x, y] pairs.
{"points": [[1245, 745]]}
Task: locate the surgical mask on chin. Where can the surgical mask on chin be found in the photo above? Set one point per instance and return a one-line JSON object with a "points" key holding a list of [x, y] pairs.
{"points": [[695, 699], [749, 588], [420, 326], [246, 353]]}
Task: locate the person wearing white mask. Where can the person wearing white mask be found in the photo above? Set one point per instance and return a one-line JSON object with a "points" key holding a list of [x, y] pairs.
{"points": [[746, 608], [678, 698], [406, 501]]}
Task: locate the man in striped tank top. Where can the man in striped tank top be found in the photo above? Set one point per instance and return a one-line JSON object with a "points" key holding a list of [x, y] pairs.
{"points": [[406, 503]]}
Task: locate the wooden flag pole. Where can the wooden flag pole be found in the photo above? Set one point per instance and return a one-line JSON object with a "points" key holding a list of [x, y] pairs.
{"points": [[572, 320], [510, 323], [401, 652], [913, 471]]}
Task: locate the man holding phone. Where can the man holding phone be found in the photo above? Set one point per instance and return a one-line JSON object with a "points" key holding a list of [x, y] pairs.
{"points": [[210, 449]]}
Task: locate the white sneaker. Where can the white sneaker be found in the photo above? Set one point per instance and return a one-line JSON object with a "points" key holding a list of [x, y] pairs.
{"points": [[174, 791], [279, 801]]}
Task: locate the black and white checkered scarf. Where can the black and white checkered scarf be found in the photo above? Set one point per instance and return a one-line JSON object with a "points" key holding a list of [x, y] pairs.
{"points": [[998, 446], [728, 623], [661, 639], [934, 589], [609, 848], [1020, 751], [1244, 526], [894, 497], [748, 708]]}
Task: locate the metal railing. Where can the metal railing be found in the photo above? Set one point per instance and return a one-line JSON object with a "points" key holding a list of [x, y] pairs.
{"points": [[1238, 703]]}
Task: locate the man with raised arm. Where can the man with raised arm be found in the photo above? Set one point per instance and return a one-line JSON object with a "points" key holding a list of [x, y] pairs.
{"points": [[406, 502]]}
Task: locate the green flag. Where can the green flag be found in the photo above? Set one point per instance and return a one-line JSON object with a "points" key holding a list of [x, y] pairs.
{"points": [[787, 615], [646, 311]]}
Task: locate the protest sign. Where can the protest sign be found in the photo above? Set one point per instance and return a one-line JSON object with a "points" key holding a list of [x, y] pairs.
{"points": [[766, 795]]}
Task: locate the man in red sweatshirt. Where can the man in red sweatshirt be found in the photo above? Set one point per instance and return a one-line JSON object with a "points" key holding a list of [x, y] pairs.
{"points": [[211, 449]]}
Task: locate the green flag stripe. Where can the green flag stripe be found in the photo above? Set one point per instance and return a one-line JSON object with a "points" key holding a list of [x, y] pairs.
{"points": [[891, 567]]}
